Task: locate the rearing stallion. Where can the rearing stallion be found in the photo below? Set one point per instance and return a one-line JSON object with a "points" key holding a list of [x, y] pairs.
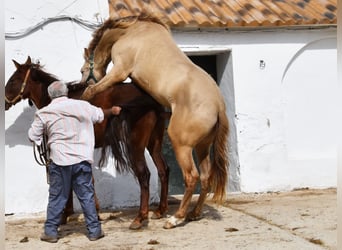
{"points": [[142, 48]]}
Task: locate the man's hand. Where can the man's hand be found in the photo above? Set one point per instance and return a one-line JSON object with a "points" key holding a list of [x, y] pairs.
{"points": [[116, 110]]}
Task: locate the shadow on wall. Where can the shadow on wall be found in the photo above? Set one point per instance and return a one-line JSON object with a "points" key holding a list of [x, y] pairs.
{"points": [[113, 190], [116, 190], [16, 134]]}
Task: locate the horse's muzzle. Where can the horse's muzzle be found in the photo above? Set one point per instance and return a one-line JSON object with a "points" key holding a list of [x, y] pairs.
{"points": [[7, 105]]}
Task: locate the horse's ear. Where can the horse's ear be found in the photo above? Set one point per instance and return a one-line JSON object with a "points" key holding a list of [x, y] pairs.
{"points": [[28, 61], [17, 65], [86, 53]]}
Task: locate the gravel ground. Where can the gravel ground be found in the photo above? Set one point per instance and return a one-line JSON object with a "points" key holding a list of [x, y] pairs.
{"points": [[301, 219]]}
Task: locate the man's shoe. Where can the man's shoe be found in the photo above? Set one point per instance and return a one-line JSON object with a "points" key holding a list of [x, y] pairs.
{"points": [[48, 238], [93, 238]]}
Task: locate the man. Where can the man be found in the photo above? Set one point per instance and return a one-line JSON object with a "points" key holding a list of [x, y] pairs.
{"points": [[68, 124]]}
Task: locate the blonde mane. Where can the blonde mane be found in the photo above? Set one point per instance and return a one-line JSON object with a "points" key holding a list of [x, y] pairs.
{"points": [[123, 23]]}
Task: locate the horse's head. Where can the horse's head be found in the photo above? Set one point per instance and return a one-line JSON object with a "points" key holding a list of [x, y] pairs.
{"points": [[15, 88], [29, 81], [90, 74]]}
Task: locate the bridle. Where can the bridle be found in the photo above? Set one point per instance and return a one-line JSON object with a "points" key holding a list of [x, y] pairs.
{"points": [[20, 95], [91, 68]]}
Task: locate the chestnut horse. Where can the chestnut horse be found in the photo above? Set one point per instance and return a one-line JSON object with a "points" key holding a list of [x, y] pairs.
{"points": [[141, 47], [146, 122]]}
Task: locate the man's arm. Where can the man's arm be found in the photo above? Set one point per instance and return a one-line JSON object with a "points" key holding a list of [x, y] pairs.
{"points": [[115, 110], [36, 131]]}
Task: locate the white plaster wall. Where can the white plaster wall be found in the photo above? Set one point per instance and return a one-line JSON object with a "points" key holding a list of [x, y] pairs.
{"points": [[285, 113], [58, 46]]}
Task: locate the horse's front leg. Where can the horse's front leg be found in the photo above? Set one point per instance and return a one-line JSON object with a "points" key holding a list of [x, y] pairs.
{"points": [[115, 75]]}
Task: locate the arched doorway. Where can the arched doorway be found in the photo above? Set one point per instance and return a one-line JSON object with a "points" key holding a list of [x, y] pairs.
{"points": [[310, 108]]}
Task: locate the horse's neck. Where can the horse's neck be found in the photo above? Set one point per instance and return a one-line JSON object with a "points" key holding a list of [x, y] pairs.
{"points": [[102, 52], [38, 87], [40, 98]]}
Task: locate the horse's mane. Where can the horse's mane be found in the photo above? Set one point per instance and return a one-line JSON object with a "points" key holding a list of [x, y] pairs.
{"points": [[38, 73], [123, 23], [75, 86]]}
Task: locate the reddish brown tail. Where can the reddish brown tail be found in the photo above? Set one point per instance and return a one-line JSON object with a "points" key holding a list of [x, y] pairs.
{"points": [[219, 172]]}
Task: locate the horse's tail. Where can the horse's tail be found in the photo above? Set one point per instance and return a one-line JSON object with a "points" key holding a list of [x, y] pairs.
{"points": [[117, 137], [219, 172], [118, 132]]}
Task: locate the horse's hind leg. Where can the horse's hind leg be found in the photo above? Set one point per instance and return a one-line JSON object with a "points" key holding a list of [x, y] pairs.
{"points": [[140, 135], [155, 149], [202, 152], [143, 174], [97, 204], [190, 175]]}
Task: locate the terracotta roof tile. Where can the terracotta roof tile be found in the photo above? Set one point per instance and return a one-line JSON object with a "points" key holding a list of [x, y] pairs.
{"points": [[231, 13]]}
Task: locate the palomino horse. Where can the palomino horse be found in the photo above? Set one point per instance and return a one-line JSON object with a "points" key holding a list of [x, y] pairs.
{"points": [[142, 48], [147, 123]]}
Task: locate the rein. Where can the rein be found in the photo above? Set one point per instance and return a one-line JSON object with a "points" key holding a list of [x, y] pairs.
{"points": [[20, 95], [91, 66], [43, 159]]}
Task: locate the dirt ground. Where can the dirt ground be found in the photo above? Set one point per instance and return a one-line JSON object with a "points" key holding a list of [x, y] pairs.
{"points": [[301, 219]]}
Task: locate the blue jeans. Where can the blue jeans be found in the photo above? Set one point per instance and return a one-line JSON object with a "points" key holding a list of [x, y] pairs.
{"points": [[62, 179]]}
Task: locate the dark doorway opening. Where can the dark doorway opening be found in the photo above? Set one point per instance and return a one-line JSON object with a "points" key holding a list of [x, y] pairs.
{"points": [[208, 63]]}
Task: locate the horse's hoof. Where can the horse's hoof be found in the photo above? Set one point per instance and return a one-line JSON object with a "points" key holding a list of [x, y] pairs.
{"points": [[172, 222], [168, 225], [191, 216], [64, 220], [135, 225], [156, 215], [85, 96], [88, 93]]}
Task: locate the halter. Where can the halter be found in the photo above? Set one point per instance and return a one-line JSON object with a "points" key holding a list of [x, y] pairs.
{"points": [[20, 95], [91, 66]]}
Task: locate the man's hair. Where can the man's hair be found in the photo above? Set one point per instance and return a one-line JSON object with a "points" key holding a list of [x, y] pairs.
{"points": [[57, 89]]}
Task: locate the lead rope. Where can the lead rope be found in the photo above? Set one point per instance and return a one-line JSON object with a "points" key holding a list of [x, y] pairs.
{"points": [[44, 157]]}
